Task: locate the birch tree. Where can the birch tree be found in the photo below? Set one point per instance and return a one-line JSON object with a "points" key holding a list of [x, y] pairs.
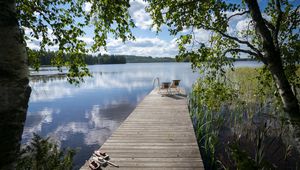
{"points": [[53, 23]]}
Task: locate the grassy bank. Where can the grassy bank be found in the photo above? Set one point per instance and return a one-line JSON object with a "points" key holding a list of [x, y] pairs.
{"points": [[240, 124]]}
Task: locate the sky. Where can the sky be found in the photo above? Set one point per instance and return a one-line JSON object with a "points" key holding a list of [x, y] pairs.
{"points": [[148, 42]]}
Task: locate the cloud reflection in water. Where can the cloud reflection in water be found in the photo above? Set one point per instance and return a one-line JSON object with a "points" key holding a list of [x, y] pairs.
{"points": [[86, 116], [35, 121]]}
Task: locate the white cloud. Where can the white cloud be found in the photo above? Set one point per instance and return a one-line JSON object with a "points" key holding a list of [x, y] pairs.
{"points": [[200, 36], [87, 7], [34, 43], [137, 11], [243, 25], [88, 40], [142, 46]]}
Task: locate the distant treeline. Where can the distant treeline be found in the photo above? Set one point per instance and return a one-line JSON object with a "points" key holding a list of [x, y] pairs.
{"points": [[104, 59], [142, 59], [46, 57]]}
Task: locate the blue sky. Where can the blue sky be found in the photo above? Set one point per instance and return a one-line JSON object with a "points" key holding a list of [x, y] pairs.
{"points": [[147, 42]]}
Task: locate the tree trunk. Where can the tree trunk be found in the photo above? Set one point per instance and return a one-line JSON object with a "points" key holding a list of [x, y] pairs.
{"points": [[14, 87], [273, 61], [272, 57], [289, 100]]}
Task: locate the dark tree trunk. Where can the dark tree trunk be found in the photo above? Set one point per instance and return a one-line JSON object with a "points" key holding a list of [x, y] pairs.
{"points": [[289, 100], [272, 58], [14, 87]]}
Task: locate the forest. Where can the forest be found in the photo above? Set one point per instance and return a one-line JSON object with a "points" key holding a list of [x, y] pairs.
{"points": [[46, 58]]}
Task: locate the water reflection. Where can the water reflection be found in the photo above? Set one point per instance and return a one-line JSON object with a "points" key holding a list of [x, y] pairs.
{"points": [[51, 87], [85, 116], [35, 121]]}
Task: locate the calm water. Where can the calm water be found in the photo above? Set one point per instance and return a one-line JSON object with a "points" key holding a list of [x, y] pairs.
{"points": [[84, 117]]}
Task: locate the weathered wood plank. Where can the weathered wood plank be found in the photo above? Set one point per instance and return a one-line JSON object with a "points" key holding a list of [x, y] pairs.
{"points": [[158, 134]]}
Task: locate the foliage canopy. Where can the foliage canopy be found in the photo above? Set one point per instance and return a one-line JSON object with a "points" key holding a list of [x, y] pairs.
{"points": [[183, 18], [61, 23], [271, 37]]}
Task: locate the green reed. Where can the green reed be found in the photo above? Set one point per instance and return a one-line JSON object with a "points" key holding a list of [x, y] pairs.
{"points": [[240, 125]]}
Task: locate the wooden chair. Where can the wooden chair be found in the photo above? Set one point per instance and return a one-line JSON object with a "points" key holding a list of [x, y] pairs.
{"points": [[174, 87], [164, 88]]}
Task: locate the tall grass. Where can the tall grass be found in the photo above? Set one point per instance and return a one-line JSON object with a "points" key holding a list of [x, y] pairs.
{"points": [[241, 125]]}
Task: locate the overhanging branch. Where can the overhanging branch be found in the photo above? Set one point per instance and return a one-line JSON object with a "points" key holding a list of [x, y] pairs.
{"points": [[238, 50], [252, 47], [240, 41], [237, 14]]}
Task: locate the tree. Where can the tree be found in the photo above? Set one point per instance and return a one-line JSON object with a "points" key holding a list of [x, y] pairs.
{"points": [[44, 154], [54, 23], [272, 37]]}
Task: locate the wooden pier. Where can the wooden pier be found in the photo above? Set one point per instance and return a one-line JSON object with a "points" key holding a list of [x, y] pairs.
{"points": [[158, 134]]}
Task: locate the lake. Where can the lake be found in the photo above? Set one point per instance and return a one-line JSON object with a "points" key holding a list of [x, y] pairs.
{"points": [[84, 117]]}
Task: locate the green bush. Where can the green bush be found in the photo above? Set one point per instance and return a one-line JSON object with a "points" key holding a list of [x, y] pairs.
{"points": [[41, 154]]}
